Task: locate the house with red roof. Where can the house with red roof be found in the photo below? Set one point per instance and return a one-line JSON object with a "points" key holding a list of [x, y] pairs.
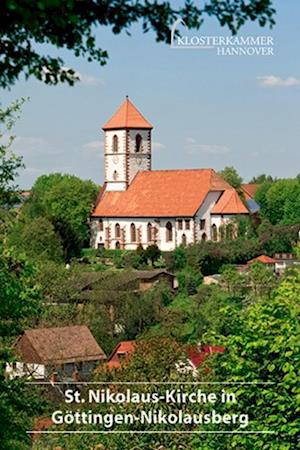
{"points": [[141, 206], [265, 260], [120, 355], [196, 355]]}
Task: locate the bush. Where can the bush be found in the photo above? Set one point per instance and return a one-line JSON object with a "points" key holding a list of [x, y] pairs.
{"points": [[189, 279], [178, 259], [152, 253]]}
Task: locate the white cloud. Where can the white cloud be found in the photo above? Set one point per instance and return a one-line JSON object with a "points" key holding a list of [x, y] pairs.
{"points": [[158, 145], [274, 81], [193, 147], [89, 80]]}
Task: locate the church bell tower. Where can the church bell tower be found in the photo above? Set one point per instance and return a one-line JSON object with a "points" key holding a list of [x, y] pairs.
{"points": [[127, 146]]}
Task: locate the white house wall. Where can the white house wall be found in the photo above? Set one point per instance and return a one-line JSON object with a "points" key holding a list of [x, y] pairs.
{"points": [[21, 369]]}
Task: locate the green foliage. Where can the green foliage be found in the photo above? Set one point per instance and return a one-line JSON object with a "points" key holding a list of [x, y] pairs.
{"points": [[296, 250], [71, 26], [189, 279], [278, 238], [263, 346], [152, 253], [230, 175], [18, 404], [261, 279], [10, 163], [279, 201], [37, 239], [179, 259], [251, 241], [211, 256], [66, 201], [212, 312], [257, 281], [262, 178], [19, 300], [233, 282], [19, 296]]}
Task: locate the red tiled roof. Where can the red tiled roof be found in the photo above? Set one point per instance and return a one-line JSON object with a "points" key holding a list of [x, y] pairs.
{"points": [[125, 348], [197, 355], [230, 203], [263, 259], [161, 193], [127, 116], [249, 190]]}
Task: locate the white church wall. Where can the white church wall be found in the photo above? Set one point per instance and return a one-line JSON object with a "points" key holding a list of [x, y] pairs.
{"points": [[115, 162], [141, 224], [185, 230], [204, 214], [138, 160]]}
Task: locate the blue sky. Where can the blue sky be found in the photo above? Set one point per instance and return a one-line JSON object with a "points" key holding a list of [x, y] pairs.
{"points": [[207, 110]]}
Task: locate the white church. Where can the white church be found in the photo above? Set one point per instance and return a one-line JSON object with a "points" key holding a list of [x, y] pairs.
{"points": [[140, 206]]}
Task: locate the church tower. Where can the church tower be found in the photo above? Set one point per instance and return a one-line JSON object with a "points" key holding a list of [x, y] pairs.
{"points": [[127, 146]]}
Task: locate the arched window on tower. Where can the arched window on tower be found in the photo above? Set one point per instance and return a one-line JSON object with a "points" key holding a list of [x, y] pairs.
{"points": [[138, 143], [169, 232], [117, 230], [149, 232], [214, 232], [132, 233], [115, 175], [115, 143]]}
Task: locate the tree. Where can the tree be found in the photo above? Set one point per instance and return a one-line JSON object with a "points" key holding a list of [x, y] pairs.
{"points": [[152, 253], [262, 178], [263, 347], [18, 294], [66, 201], [232, 280], [280, 201], [297, 250], [230, 175], [26, 25], [19, 299], [37, 239], [179, 258], [261, 278], [189, 279], [10, 163]]}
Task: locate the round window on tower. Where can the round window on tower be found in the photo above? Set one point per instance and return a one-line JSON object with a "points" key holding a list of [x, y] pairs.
{"points": [[138, 143]]}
